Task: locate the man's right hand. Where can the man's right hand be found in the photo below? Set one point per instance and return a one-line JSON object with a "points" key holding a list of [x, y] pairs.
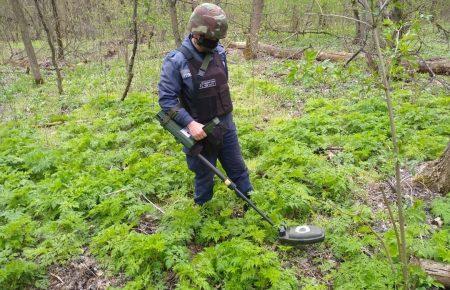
{"points": [[196, 130]]}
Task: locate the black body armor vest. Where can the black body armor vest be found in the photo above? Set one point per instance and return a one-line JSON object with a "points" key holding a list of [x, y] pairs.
{"points": [[211, 96]]}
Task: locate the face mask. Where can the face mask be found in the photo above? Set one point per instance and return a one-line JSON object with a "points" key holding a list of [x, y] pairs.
{"points": [[207, 43]]}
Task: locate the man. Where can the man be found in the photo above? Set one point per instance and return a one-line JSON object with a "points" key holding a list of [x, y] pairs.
{"points": [[194, 89]]}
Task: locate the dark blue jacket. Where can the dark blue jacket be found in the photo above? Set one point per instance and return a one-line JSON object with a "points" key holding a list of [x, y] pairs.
{"points": [[176, 78]]}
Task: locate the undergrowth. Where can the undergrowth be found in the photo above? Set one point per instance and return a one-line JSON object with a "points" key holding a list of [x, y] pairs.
{"points": [[77, 172]]}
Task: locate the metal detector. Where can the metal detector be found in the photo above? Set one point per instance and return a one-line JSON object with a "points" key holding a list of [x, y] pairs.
{"points": [[294, 235]]}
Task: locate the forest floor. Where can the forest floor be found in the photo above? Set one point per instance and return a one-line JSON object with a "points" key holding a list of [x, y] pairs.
{"points": [[77, 173]]}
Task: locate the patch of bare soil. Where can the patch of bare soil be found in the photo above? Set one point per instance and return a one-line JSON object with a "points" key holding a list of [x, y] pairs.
{"points": [[330, 152], [171, 280], [195, 248], [411, 191], [82, 272], [310, 262], [147, 225]]}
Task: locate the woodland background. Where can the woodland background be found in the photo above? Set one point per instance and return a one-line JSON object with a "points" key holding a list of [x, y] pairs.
{"points": [[342, 109]]}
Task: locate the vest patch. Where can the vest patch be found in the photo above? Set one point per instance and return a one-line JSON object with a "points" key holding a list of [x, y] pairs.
{"points": [[185, 73], [208, 84]]}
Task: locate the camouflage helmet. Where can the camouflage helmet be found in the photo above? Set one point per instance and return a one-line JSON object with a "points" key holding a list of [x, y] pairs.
{"points": [[209, 20]]}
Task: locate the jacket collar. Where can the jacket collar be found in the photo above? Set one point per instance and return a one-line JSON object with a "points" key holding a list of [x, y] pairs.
{"points": [[188, 44]]}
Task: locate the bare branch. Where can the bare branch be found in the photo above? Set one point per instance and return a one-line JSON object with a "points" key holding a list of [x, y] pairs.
{"points": [[149, 201]]}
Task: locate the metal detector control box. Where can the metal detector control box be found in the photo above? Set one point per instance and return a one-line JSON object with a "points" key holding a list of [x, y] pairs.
{"points": [[181, 134]]}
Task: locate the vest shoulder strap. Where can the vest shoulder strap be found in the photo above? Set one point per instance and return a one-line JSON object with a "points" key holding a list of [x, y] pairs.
{"points": [[185, 51], [204, 66]]}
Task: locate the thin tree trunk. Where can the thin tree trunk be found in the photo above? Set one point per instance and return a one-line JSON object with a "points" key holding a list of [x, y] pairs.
{"points": [[133, 54], [398, 189], [58, 30], [174, 19], [433, 11], [194, 4], [295, 18], [161, 31], [359, 26], [253, 34], [52, 48], [20, 17], [398, 16], [397, 11]]}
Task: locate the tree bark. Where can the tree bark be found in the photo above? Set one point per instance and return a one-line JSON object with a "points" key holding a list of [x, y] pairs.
{"points": [[133, 54], [52, 48], [58, 30], [433, 10], [439, 271], [439, 66], [253, 34], [20, 17], [359, 26], [174, 20], [436, 174], [295, 20]]}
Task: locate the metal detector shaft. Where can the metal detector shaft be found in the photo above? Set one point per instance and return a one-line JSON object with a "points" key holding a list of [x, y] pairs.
{"points": [[233, 186]]}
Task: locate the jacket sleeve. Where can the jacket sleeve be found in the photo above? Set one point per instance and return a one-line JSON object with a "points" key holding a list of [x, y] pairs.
{"points": [[226, 64], [223, 55], [169, 88]]}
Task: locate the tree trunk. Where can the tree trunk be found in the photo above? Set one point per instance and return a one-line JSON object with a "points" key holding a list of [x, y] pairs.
{"points": [[359, 38], [295, 21], [194, 4], [161, 31], [133, 54], [398, 16], [58, 30], [436, 174], [434, 11], [174, 19], [253, 34], [52, 48], [20, 17], [397, 12], [322, 20]]}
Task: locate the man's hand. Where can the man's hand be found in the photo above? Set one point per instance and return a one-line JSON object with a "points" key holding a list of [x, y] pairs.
{"points": [[196, 130]]}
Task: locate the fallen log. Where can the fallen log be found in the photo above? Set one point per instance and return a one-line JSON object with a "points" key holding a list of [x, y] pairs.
{"points": [[439, 66], [439, 271], [51, 124], [272, 50]]}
